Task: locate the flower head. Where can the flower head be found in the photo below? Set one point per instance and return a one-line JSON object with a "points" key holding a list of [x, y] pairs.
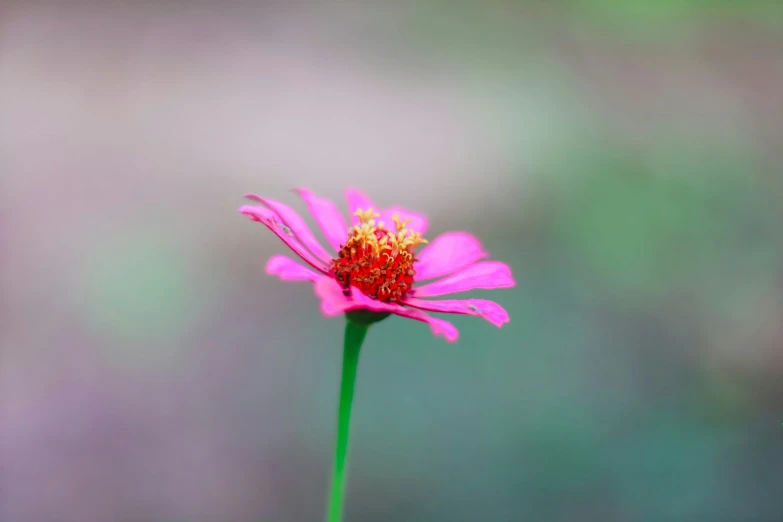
{"points": [[377, 261], [374, 263]]}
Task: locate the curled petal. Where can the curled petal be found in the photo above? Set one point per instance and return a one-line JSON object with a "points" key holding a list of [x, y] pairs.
{"points": [[330, 219], [275, 224], [448, 253], [418, 222], [254, 197], [486, 275], [289, 270], [297, 225], [438, 326], [334, 302], [489, 310], [356, 201]]}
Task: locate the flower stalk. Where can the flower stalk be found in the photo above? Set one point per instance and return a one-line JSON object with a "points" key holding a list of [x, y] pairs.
{"points": [[355, 333]]}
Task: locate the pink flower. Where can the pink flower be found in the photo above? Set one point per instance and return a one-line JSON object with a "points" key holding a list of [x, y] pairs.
{"points": [[372, 267]]}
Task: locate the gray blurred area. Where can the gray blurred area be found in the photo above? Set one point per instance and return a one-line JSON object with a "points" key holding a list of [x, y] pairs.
{"points": [[623, 157]]}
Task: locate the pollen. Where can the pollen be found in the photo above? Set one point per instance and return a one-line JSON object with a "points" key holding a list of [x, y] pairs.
{"points": [[376, 260]]}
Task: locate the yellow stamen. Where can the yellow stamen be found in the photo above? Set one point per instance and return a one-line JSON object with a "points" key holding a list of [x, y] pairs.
{"points": [[399, 225], [366, 215], [364, 235]]}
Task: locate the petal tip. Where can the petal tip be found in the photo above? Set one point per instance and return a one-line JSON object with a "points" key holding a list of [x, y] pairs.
{"points": [[274, 264], [450, 334], [493, 313], [250, 211]]}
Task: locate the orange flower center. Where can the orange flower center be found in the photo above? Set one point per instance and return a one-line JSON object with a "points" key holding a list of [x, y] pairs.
{"points": [[377, 261]]}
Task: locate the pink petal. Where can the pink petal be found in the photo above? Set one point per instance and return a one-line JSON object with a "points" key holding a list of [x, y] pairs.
{"points": [[438, 326], [274, 223], [418, 221], [297, 225], [334, 302], [289, 270], [487, 275], [356, 201], [448, 253], [330, 219], [489, 310]]}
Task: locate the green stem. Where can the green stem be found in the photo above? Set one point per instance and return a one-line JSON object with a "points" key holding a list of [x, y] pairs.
{"points": [[354, 336]]}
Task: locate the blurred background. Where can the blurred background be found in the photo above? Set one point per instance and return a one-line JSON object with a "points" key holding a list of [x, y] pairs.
{"points": [[623, 157]]}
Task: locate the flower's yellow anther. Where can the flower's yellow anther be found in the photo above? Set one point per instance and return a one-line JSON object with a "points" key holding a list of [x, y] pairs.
{"points": [[415, 239], [365, 216], [398, 223]]}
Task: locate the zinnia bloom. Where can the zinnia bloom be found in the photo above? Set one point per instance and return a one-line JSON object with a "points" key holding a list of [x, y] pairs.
{"points": [[373, 264]]}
